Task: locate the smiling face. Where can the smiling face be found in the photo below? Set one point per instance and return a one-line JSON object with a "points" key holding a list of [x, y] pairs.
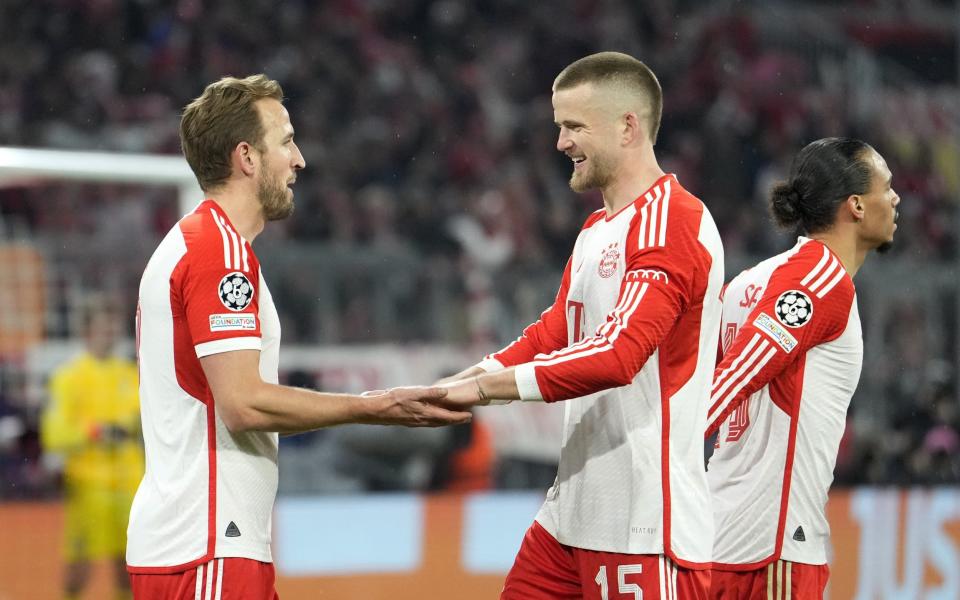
{"points": [[280, 159], [879, 205], [587, 135]]}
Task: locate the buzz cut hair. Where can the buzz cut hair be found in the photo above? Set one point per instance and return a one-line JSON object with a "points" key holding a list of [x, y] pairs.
{"points": [[623, 71]]}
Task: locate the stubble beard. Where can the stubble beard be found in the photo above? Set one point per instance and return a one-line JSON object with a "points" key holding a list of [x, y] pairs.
{"points": [[599, 176], [276, 200]]}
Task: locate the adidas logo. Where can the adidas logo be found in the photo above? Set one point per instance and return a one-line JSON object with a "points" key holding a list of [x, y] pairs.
{"points": [[797, 535], [234, 531]]}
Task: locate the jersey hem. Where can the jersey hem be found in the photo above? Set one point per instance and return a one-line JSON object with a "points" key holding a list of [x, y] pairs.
{"points": [[169, 569]]}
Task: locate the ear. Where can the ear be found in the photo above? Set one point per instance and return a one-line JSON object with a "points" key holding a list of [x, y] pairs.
{"points": [[631, 129], [243, 159], [855, 207]]}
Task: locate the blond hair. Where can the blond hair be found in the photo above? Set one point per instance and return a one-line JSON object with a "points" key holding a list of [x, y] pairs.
{"points": [[622, 71]]}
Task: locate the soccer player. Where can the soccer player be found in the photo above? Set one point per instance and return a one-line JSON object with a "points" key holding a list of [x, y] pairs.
{"points": [[208, 337], [628, 344], [792, 352], [93, 420]]}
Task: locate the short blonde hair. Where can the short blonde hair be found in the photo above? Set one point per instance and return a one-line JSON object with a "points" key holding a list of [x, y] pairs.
{"points": [[619, 69], [222, 117]]}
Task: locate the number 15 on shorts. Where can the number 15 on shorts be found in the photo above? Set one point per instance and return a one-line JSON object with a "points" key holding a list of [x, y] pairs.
{"points": [[623, 586]]}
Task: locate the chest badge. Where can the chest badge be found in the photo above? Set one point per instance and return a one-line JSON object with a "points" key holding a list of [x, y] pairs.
{"points": [[608, 261]]}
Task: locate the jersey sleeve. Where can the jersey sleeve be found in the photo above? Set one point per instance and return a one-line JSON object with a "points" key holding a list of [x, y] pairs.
{"points": [[807, 302], [547, 334], [658, 286], [219, 293]]}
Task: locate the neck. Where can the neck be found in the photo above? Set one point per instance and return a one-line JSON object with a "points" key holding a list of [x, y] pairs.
{"points": [[845, 246], [634, 178], [242, 209]]}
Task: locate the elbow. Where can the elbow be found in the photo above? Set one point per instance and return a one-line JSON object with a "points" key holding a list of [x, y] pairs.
{"points": [[623, 373], [236, 414]]}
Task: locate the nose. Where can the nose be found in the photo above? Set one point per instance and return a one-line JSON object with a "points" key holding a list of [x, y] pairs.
{"points": [[298, 162], [564, 142]]}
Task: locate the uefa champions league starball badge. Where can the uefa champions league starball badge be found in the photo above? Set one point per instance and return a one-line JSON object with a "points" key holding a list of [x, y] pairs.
{"points": [[794, 308], [235, 291]]}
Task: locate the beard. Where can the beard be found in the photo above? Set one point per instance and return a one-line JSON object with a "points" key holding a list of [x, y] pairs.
{"points": [[275, 198], [599, 175]]}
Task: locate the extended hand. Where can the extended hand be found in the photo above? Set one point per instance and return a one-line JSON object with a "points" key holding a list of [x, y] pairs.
{"points": [[414, 407]]}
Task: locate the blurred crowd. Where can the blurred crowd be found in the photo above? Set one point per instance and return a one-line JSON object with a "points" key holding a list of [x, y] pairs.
{"points": [[433, 181]]}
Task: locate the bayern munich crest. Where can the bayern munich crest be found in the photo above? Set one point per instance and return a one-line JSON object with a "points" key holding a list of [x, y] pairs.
{"points": [[794, 308], [236, 291], [608, 262]]}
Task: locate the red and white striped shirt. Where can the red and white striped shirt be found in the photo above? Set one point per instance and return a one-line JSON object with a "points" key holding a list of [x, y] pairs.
{"points": [[207, 493], [791, 361], [630, 343]]}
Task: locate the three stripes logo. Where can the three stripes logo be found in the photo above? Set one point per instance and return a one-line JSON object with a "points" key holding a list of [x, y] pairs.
{"points": [[798, 535]]}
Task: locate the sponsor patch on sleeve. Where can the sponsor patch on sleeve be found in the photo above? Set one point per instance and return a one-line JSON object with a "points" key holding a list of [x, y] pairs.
{"points": [[241, 322], [778, 332], [650, 275]]}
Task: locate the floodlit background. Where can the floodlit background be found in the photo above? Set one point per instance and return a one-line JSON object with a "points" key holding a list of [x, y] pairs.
{"points": [[432, 224]]}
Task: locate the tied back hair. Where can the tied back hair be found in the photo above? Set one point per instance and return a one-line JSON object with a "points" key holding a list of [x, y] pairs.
{"points": [[823, 175]]}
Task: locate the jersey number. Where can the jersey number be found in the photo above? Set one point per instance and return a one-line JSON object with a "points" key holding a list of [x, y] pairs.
{"points": [[622, 586]]}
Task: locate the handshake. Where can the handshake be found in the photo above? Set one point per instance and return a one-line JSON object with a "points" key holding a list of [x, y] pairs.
{"points": [[447, 402]]}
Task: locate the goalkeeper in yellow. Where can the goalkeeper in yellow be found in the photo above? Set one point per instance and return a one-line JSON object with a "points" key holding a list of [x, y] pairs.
{"points": [[93, 421]]}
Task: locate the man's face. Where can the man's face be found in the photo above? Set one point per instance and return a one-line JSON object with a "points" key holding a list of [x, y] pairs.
{"points": [[880, 205], [587, 136], [280, 161]]}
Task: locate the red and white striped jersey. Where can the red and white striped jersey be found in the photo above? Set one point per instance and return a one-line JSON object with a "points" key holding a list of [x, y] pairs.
{"points": [[791, 360], [630, 343], [207, 493]]}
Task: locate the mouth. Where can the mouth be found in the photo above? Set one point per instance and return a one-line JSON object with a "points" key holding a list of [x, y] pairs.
{"points": [[578, 161]]}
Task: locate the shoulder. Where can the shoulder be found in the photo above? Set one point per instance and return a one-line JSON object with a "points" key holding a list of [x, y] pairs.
{"points": [[594, 218], [202, 230], [818, 270], [669, 213], [210, 238]]}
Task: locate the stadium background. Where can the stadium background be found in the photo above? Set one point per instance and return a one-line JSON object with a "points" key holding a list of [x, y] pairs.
{"points": [[432, 224]]}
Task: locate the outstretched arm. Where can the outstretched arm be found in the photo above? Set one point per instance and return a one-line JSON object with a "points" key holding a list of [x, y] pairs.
{"points": [[247, 403]]}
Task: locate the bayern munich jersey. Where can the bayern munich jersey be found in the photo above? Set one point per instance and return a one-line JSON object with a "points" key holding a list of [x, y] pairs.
{"points": [[792, 352], [207, 492], [630, 344]]}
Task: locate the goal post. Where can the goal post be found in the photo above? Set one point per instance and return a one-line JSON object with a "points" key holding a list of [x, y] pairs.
{"points": [[21, 165]]}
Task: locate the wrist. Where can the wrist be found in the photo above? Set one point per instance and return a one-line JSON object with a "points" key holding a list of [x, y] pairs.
{"points": [[482, 398]]}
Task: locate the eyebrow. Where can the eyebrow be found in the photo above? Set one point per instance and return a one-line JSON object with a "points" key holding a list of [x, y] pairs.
{"points": [[568, 124]]}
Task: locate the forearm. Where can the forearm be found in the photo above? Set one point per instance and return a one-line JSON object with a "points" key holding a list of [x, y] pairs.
{"points": [[483, 388], [467, 373], [284, 409]]}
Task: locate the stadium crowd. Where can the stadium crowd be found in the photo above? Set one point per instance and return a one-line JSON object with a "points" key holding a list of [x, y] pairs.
{"points": [[431, 165]]}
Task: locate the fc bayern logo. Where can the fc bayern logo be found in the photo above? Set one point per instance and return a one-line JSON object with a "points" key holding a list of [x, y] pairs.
{"points": [[236, 291], [794, 308], [608, 262]]}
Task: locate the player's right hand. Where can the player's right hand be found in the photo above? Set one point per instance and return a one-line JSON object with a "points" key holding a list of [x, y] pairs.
{"points": [[414, 406]]}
